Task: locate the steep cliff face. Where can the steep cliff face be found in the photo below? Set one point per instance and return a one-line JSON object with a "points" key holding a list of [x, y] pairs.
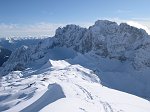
{"points": [[108, 39], [105, 38], [4, 55]]}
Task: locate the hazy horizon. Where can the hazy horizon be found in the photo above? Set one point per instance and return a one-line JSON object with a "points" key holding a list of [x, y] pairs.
{"points": [[42, 18]]}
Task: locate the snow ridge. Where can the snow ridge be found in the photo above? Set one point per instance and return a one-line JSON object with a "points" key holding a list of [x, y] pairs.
{"points": [[68, 88]]}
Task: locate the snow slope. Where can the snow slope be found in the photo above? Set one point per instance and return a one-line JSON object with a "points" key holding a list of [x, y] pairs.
{"points": [[64, 87], [115, 74]]}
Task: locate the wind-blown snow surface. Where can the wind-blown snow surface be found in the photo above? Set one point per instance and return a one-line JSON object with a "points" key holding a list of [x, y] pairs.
{"points": [[66, 85]]}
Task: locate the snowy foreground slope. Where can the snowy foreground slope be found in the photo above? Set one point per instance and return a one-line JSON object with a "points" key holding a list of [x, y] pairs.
{"points": [[80, 70], [63, 86]]}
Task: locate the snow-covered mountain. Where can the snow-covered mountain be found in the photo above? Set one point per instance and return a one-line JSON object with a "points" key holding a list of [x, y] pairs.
{"points": [[75, 69], [11, 44], [108, 39], [60, 86]]}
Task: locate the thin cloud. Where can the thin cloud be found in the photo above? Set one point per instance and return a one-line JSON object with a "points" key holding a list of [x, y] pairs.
{"points": [[123, 11], [39, 29], [33, 30], [48, 29], [141, 19], [143, 23], [138, 25]]}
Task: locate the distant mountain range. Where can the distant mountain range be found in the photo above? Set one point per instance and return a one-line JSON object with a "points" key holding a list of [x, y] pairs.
{"points": [[14, 42], [4, 55], [9, 45]]}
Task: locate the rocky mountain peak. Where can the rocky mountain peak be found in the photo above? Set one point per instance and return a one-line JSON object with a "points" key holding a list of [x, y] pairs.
{"points": [[105, 38]]}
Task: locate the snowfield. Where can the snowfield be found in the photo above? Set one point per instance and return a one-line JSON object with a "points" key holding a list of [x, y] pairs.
{"points": [[59, 86]]}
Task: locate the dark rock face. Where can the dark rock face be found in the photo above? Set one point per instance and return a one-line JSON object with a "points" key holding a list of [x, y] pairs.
{"points": [[19, 67], [4, 55]]}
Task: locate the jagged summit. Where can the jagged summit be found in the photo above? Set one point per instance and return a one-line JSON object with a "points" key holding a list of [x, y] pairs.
{"points": [[107, 39], [104, 23]]}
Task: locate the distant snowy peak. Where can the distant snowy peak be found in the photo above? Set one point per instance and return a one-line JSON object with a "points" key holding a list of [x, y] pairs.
{"points": [[105, 38]]}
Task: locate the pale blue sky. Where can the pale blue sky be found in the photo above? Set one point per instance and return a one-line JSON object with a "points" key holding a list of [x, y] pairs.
{"points": [[18, 15]]}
